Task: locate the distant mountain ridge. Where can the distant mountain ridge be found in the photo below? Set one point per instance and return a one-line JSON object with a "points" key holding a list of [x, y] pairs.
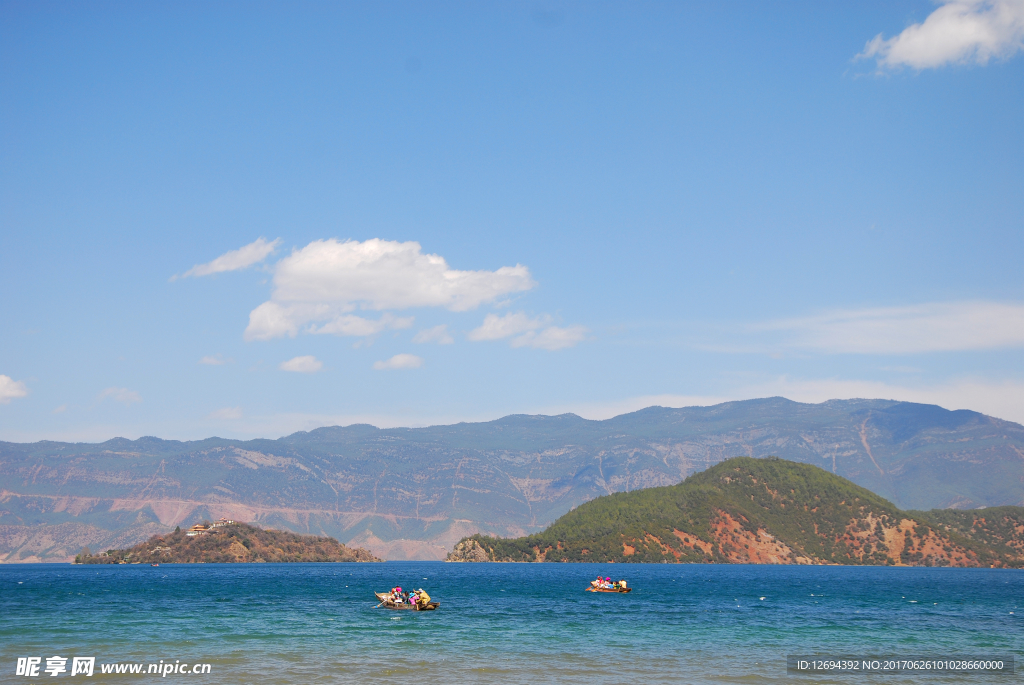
{"points": [[763, 511], [412, 493]]}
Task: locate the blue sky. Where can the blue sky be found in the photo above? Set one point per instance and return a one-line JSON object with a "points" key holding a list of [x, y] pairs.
{"points": [[250, 219]]}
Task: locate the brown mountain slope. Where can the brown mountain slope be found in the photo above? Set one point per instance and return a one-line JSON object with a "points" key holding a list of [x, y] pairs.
{"points": [[999, 528]]}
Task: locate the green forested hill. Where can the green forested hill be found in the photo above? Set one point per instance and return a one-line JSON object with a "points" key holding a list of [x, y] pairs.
{"points": [[770, 510]]}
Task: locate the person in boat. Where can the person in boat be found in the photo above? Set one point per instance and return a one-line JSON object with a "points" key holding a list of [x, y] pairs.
{"points": [[622, 584], [423, 599], [597, 583], [608, 584]]}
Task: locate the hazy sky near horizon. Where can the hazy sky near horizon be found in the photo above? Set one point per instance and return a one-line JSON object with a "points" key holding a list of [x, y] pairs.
{"points": [[247, 219]]}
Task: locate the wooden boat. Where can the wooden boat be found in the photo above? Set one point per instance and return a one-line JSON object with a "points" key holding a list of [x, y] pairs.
{"points": [[154, 564], [601, 589], [382, 597]]}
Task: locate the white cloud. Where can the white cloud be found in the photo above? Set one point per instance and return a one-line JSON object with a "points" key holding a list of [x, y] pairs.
{"points": [[273, 320], [213, 360], [226, 414], [400, 361], [122, 395], [61, 409], [934, 327], [437, 334], [497, 327], [528, 332], [11, 389], [327, 280], [551, 338], [253, 253], [958, 32], [304, 364]]}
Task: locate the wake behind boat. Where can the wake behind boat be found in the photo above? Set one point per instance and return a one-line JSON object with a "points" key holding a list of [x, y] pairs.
{"points": [[418, 601]]}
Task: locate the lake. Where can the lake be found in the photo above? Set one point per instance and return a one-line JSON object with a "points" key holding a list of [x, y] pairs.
{"points": [[502, 623]]}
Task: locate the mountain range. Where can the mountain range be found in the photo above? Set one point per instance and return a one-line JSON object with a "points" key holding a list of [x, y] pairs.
{"points": [[410, 493]]}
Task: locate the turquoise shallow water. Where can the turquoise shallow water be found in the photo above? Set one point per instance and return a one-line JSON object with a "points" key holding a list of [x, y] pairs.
{"points": [[507, 623]]}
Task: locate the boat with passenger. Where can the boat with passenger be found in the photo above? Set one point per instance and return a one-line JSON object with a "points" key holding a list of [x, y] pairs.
{"points": [[397, 599], [606, 585]]}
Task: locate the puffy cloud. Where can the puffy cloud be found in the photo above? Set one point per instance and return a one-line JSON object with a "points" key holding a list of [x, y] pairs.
{"points": [[399, 361], [325, 281], [528, 332], [11, 389], [958, 32], [382, 274], [253, 253], [273, 320], [226, 414], [934, 327], [304, 364], [497, 327], [122, 395], [437, 334]]}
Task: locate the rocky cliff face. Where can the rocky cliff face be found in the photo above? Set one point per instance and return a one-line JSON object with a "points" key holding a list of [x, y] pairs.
{"points": [[468, 550], [413, 493]]}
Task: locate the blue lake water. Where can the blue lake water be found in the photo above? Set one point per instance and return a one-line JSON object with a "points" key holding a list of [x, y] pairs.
{"points": [[503, 623]]}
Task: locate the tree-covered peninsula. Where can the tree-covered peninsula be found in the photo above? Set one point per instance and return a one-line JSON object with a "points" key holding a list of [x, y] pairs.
{"points": [[763, 511], [228, 543]]}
